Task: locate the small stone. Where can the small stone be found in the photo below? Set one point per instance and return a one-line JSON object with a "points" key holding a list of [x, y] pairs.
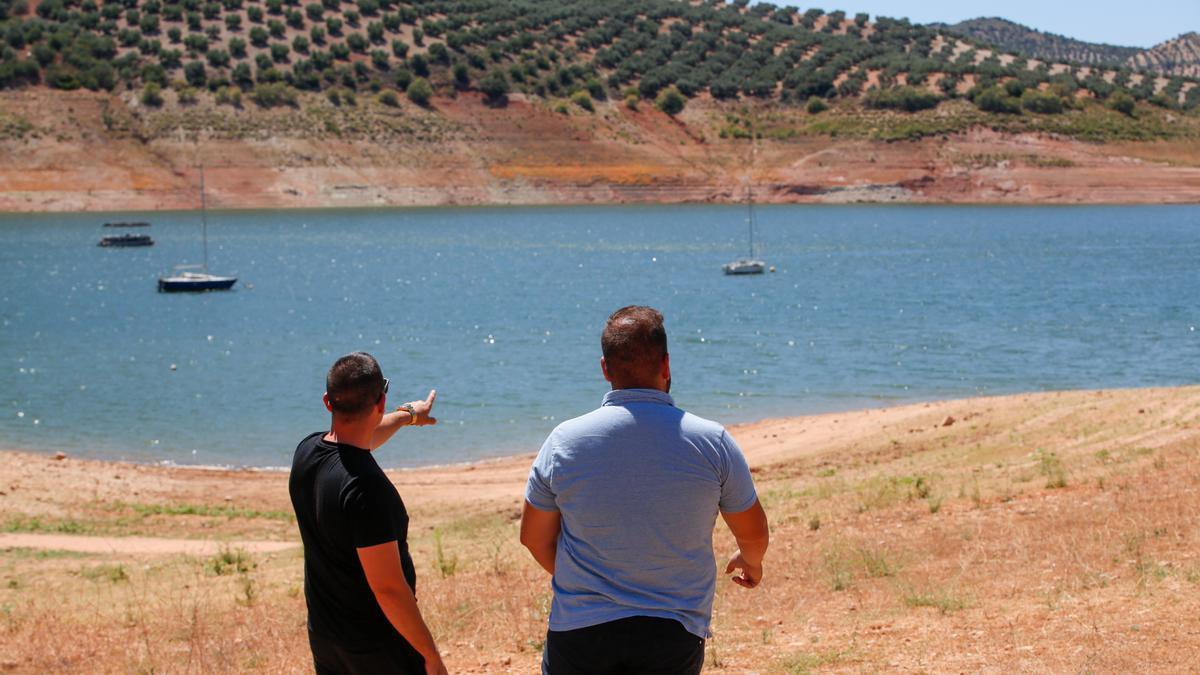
{"points": [[948, 421], [1141, 411], [228, 498], [60, 455], [506, 661]]}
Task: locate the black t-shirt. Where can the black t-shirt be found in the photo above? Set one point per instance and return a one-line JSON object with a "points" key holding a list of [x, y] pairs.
{"points": [[344, 502]]}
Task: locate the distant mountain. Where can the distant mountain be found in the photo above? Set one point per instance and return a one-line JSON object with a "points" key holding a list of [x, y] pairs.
{"points": [[1180, 56], [1013, 37]]}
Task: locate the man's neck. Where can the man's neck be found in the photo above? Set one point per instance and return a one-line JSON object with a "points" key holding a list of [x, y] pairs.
{"points": [[350, 434], [618, 387]]}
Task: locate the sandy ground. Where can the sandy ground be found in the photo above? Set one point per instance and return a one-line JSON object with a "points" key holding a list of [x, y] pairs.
{"points": [[1050, 532]]}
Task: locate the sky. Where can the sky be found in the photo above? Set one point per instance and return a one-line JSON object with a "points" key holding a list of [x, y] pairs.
{"points": [[1130, 24]]}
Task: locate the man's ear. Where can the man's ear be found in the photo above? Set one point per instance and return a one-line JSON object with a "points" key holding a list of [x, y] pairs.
{"points": [[328, 405], [604, 369], [666, 367], [381, 406]]}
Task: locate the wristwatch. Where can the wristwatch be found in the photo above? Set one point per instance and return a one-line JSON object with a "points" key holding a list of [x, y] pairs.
{"points": [[412, 413]]}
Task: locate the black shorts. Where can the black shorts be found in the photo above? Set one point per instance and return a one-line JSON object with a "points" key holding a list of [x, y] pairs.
{"points": [[638, 644], [396, 656]]}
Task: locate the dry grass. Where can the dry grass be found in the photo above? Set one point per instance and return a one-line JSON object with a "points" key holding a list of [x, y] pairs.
{"points": [[1063, 540]]}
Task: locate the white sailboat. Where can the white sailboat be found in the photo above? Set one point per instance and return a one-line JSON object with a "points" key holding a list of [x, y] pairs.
{"points": [[185, 280], [750, 264]]}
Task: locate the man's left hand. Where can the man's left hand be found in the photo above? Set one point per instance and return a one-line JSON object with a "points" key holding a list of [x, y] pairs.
{"points": [[421, 410], [751, 574]]}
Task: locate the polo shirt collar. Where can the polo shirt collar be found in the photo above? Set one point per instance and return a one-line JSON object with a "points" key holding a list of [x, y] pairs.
{"points": [[627, 396]]}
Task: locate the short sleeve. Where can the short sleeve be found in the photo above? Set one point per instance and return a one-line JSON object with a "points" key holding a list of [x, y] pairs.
{"points": [[539, 489], [371, 514], [737, 489]]}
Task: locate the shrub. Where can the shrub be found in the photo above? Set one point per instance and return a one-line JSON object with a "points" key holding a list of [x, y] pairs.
{"points": [[583, 100], [995, 99], [152, 95], [1122, 102], [420, 65], [909, 99], [816, 105], [389, 99], [419, 91], [439, 54], [231, 96], [187, 96], [462, 76], [670, 101], [494, 86], [1044, 103], [237, 48], [195, 74], [273, 95], [403, 78]]}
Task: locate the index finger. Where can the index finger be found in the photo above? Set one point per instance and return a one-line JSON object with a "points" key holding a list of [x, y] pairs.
{"points": [[432, 395]]}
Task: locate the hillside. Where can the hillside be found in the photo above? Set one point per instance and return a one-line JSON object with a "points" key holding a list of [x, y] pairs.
{"points": [[1180, 56], [1018, 39], [525, 101]]}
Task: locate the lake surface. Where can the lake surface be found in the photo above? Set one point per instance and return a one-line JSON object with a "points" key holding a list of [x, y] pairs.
{"points": [[500, 309]]}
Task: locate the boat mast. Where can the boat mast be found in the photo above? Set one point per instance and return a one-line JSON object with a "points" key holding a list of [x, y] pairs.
{"points": [[204, 218], [750, 187]]}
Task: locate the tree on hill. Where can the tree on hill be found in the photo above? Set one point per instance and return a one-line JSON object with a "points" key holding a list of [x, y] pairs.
{"points": [[670, 101], [495, 86], [1122, 102], [419, 92]]}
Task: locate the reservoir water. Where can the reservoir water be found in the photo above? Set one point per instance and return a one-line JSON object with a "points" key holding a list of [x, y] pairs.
{"points": [[500, 309]]}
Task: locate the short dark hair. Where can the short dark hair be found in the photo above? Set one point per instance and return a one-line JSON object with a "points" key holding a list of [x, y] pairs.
{"points": [[354, 384], [634, 342]]}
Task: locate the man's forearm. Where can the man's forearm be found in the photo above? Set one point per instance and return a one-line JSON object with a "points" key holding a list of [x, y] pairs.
{"points": [[545, 554], [753, 550], [388, 426], [400, 607]]}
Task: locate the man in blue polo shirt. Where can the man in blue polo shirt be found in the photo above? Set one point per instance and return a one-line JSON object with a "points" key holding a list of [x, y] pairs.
{"points": [[619, 509]]}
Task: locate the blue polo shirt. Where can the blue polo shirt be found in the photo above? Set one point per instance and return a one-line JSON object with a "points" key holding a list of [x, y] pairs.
{"points": [[639, 483]]}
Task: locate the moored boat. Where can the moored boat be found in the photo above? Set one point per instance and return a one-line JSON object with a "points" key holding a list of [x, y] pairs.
{"points": [[126, 240], [182, 282]]}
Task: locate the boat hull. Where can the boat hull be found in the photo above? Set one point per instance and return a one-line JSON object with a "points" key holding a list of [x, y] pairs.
{"points": [[125, 242], [745, 267], [195, 285]]}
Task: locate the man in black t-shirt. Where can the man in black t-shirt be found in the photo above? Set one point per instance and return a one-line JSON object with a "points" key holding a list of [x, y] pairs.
{"points": [[359, 580]]}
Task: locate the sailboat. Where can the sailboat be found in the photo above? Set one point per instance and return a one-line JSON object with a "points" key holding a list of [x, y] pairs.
{"points": [[749, 264], [185, 280]]}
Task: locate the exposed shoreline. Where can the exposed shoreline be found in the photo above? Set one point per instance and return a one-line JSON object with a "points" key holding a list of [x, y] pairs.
{"points": [[526, 154]]}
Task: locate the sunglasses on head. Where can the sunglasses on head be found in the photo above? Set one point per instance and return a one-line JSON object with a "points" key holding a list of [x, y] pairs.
{"points": [[383, 392]]}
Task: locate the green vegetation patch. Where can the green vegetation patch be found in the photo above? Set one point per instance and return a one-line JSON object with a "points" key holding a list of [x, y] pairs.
{"points": [[14, 126], [38, 525], [944, 599], [206, 510]]}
